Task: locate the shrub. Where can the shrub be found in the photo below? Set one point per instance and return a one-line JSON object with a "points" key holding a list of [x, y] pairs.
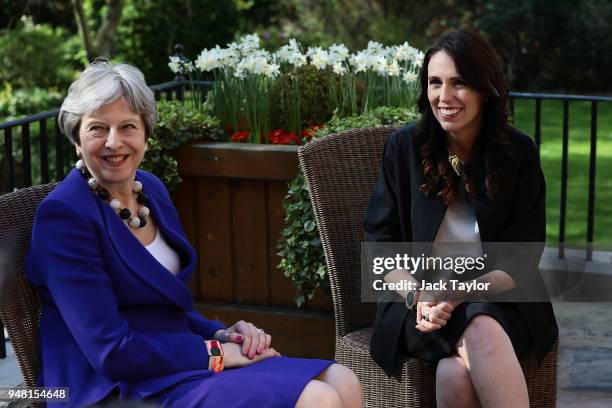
{"points": [[303, 260], [38, 55], [15, 103], [178, 124]]}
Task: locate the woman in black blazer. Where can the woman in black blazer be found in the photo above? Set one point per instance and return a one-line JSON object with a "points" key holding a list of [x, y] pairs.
{"points": [[462, 164]]}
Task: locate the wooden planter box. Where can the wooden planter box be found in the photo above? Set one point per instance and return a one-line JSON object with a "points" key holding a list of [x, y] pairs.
{"points": [[230, 204]]}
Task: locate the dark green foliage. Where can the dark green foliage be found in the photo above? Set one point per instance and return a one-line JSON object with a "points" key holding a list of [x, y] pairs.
{"points": [[300, 247], [544, 44], [178, 124], [38, 55], [149, 29], [381, 116], [58, 13], [314, 105], [24, 102], [303, 260]]}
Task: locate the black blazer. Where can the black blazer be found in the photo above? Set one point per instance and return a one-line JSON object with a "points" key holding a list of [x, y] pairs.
{"points": [[399, 212]]}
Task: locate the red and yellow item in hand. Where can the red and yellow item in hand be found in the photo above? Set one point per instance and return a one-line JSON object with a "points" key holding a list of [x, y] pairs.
{"points": [[215, 355]]}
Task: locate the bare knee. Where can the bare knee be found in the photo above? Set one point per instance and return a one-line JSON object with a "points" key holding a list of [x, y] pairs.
{"points": [[319, 394], [454, 386], [346, 384], [482, 335]]}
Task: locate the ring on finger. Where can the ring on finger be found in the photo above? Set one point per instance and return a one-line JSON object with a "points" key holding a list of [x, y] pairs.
{"points": [[424, 317]]}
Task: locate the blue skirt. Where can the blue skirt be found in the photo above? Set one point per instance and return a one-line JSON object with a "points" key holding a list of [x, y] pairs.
{"points": [[276, 382]]}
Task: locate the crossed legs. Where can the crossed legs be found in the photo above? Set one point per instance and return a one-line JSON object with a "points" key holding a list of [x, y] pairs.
{"points": [[484, 371], [336, 387]]}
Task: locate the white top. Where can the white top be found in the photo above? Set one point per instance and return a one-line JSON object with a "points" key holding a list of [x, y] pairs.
{"points": [[459, 225], [164, 254]]}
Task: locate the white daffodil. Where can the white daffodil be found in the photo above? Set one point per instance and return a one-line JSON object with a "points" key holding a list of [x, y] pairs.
{"points": [[418, 57], [338, 53], [256, 64], [209, 59], [393, 69], [272, 71], [375, 48], [188, 66], [260, 65], [283, 54], [338, 68], [249, 40], [229, 57], [248, 44], [291, 54], [410, 77], [318, 57], [175, 64], [403, 52], [380, 64], [298, 60], [288, 49], [244, 67], [240, 74], [361, 61], [234, 47]]}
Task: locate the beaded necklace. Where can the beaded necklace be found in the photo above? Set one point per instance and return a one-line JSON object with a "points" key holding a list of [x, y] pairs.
{"points": [[124, 213]]}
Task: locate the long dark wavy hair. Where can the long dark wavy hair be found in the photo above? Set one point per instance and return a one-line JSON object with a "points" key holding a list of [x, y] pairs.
{"points": [[477, 65]]}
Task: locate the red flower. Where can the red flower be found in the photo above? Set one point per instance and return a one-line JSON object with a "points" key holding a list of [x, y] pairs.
{"points": [[275, 136], [280, 136], [292, 139], [241, 136], [311, 132]]}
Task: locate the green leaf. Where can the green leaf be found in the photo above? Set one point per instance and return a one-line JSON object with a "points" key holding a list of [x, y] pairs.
{"points": [[309, 226]]}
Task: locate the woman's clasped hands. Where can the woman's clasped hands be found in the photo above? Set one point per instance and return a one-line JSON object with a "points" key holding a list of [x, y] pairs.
{"points": [[433, 315], [245, 344]]}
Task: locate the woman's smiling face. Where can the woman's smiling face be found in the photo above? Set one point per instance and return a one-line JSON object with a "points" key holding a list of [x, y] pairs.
{"points": [[456, 106], [112, 141]]}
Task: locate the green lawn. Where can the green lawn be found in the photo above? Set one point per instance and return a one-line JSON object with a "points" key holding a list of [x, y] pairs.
{"points": [[578, 166]]}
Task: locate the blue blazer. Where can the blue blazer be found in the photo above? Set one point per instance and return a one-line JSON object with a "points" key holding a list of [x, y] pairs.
{"points": [[113, 318]]}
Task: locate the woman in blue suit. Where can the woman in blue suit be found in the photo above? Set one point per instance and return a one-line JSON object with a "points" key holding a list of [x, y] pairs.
{"points": [[111, 262]]}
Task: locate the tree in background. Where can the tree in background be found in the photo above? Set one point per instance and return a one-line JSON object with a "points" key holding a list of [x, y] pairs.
{"points": [[544, 44], [143, 32], [102, 43], [147, 30]]}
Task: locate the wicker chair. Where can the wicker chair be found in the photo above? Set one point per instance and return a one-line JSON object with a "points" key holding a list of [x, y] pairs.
{"points": [[340, 172], [20, 304]]}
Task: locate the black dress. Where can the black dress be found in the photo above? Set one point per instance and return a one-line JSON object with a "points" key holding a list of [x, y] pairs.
{"points": [[399, 212]]}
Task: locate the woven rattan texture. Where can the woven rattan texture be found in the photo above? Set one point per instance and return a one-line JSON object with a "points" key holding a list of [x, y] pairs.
{"points": [[340, 172], [20, 305]]}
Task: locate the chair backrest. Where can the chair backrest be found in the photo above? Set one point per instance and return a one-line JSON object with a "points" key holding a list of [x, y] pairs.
{"points": [[340, 172], [20, 305]]}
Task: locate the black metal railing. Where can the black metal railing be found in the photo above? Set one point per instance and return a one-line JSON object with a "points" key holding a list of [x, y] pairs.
{"points": [[21, 137], [41, 133], [566, 100]]}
